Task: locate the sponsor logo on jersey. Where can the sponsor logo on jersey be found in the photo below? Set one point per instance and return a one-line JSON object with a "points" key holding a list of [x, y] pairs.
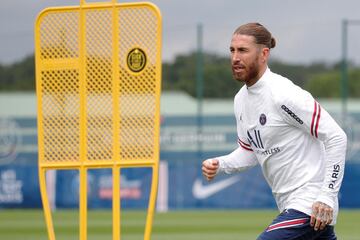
{"points": [[292, 114], [270, 151], [334, 176], [257, 142], [262, 119]]}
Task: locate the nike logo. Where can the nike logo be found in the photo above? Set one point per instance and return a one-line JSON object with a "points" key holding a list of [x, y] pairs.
{"points": [[201, 191]]}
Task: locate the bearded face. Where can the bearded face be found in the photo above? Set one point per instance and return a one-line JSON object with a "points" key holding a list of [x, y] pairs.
{"points": [[245, 72], [245, 59]]}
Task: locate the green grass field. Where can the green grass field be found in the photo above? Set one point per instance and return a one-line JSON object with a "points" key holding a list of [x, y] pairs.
{"points": [[176, 225]]}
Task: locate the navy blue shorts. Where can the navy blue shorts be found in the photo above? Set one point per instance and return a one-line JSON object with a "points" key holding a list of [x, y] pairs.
{"points": [[295, 225]]}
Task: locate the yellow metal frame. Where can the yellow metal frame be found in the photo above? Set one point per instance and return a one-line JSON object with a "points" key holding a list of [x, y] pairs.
{"points": [[78, 76]]}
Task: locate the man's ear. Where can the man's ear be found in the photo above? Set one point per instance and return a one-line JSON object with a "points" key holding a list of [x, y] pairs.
{"points": [[265, 54]]}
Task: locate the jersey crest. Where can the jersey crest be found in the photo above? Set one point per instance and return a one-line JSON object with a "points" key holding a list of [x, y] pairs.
{"points": [[262, 119]]}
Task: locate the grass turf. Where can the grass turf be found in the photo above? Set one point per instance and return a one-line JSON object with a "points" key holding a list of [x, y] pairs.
{"points": [[175, 225]]}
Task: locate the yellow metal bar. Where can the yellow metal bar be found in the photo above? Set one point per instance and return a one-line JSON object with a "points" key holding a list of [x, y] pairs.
{"points": [[42, 171], [152, 200], [98, 164], [83, 148], [46, 205], [93, 6], [116, 124], [38, 69], [115, 85], [83, 203], [155, 168], [116, 203], [84, 2], [62, 63], [82, 79]]}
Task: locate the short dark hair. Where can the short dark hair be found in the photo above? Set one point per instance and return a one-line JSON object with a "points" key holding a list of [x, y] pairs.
{"points": [[259, 32]]}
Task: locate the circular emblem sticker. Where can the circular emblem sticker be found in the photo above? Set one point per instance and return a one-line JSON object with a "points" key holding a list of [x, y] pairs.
{"points": [[262, 119], [136, 60]]}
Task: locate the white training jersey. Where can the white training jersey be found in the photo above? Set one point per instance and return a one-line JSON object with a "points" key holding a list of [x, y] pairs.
{"points": [[299, 146]]}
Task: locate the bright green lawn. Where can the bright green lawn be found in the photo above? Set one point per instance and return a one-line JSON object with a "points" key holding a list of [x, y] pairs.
{"points": [[177, 225]]}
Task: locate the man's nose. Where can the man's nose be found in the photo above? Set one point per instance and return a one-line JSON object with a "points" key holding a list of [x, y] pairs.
{"points": [[235, 57]]}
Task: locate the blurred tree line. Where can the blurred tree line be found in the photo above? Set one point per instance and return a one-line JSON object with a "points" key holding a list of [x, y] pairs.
{"points": [[322, 80], [19, 76]]}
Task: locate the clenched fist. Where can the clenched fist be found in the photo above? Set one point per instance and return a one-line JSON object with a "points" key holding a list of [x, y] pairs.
{"points": [[210, 168]]}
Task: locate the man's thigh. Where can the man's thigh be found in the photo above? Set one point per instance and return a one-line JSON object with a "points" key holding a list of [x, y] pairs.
{"points": [[295, 225]]}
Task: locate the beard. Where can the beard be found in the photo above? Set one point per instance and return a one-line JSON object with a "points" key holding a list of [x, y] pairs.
{"points": [[248, 74]]}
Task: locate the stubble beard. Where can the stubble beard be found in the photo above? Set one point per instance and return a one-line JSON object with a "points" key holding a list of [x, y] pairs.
{"points": [[251, 72]]}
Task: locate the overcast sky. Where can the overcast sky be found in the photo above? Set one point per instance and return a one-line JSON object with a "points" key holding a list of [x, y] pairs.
{"points": [[306, 30]]}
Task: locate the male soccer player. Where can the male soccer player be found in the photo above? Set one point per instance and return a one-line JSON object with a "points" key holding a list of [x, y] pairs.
{"points": [[299, 146]]}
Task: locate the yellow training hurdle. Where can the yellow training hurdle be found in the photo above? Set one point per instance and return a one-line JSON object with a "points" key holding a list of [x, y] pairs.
{"points": [[98, 83]]}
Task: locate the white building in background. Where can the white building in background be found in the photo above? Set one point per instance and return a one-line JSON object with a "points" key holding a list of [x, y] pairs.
{"points": [[23, 104]]}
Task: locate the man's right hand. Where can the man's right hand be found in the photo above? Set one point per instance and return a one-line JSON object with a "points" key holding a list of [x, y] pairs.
{"points": [[321, 216], [210, 168]]}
